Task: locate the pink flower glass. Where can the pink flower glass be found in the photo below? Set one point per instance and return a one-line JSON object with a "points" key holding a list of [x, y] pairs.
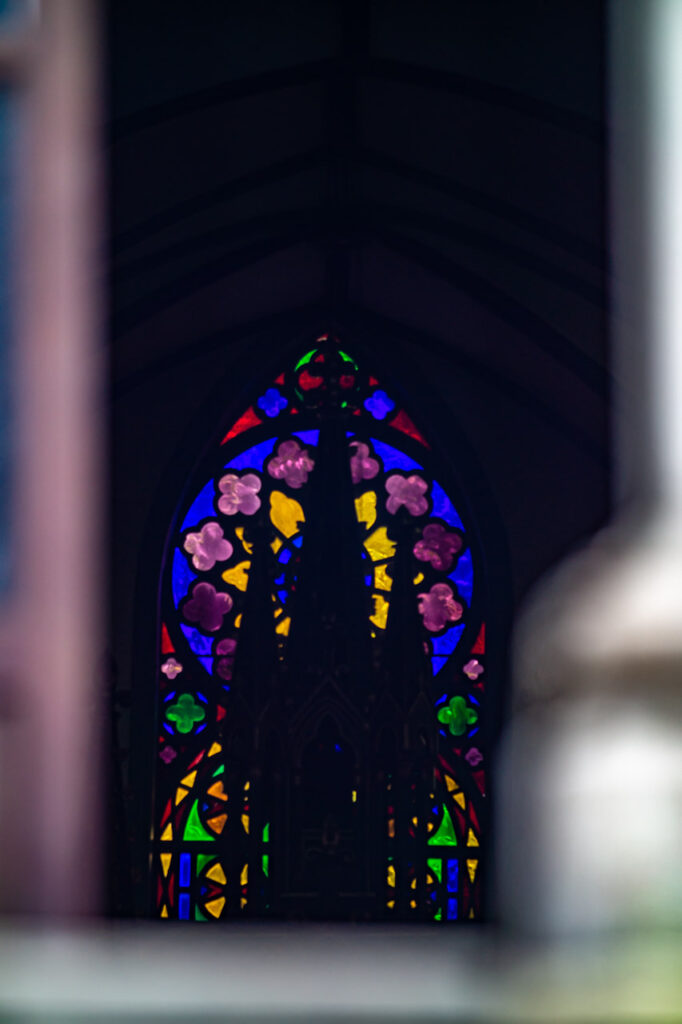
{"points": [[171, 668], [438, 607], [362, 465], [408, 491], [207, 607], [438, 546], [208, 546], [239, 494], [291, 464]]}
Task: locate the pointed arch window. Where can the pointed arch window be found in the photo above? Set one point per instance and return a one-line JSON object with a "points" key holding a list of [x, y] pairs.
{"points": [[322, 667]]}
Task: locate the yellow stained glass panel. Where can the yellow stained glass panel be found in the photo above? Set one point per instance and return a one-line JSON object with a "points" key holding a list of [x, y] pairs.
{"points": [[189, 780], [379, 545], [215, 749], [217, 790], [167, 833], [419, 578], [217, 824], [245, 823], [217, 874], [244, 877], [165, 862], [450, 783], [390, 875], [366, 508], [180, 794], [238, 575], [276, 545], [471, 868], [282, 626], [382, 581], [285, 513], [471, 838], [164, 911], [459, 798], [215, 907], [391, 828], [380, 615], [243, 901], [248, 547], [238, 620]]}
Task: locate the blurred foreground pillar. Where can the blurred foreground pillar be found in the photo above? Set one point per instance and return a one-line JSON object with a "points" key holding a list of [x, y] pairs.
{"points": [[50, 638], [590, 786]]}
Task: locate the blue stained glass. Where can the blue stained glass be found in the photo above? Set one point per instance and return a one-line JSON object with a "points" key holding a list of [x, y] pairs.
{"points": [[463, 576], [446, 643], [199, 643], [282, 595], [452, 909], [185, 869], [182, 576], [452, 875], [297, 541], [208, 664], [272, 402], [368, 581], [379, 404], [183, 906], [284, 556], [392, 458], [308, 436], [443, 507], [279, 580], [443, 646], [252, 458], [201, 508]]}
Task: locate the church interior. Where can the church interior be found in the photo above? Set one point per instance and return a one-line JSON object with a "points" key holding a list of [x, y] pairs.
{"points": [[350, 650]]}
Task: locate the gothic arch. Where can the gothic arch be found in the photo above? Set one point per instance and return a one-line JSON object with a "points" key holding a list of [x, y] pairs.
{"points": [[321, 552]]}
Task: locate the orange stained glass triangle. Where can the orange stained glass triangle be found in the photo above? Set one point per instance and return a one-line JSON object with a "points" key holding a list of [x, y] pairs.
{"points": [[164, 911], [246, 422], [180, 794], [218, 790], [216, 874], [460, 799], [403, 422], [165, 862], [189, 780], [217, 823], [215, 907]]}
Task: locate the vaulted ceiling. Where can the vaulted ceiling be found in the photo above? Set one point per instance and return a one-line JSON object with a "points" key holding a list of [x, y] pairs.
{"points": [[430, 177]]}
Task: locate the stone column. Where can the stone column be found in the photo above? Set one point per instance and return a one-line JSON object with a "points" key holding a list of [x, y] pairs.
{"points": [[590, 777]]}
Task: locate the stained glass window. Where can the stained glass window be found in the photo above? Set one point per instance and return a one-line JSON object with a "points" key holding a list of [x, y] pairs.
{"points": [[322, 670]]}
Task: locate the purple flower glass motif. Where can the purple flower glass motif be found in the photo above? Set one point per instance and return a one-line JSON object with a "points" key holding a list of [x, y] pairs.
{"points": [[167, 754], [208, 546], [272, 402], [207, 606], [225, 664], [171, 668], [362, 465], [438, 546], [457, 715], [473, 669], [408, 491], [473, 756], [379, 404], [239, 494], [292, 464], [439, 607]]}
